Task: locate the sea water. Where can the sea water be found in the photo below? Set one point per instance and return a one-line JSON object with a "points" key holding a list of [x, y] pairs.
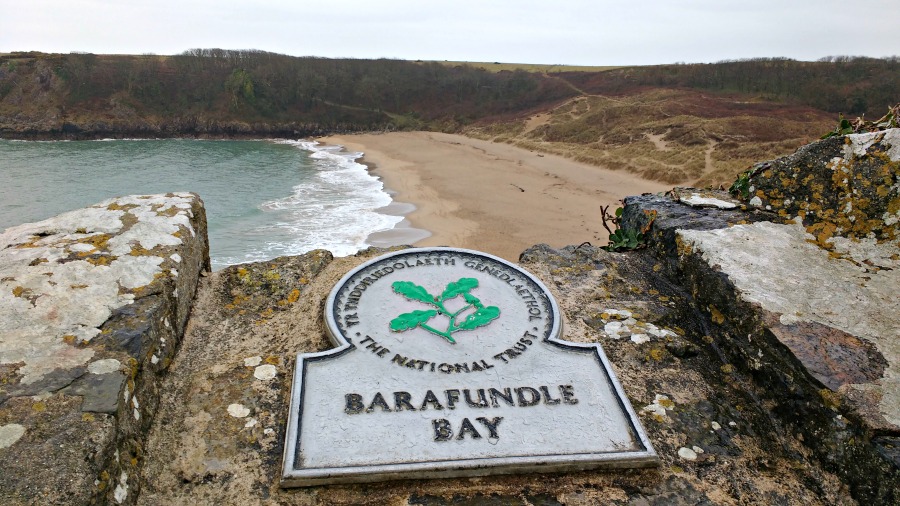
{"points": [[263, 198]]}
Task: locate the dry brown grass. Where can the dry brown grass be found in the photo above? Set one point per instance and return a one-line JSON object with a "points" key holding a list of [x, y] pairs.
{"points": [[706, 140]]}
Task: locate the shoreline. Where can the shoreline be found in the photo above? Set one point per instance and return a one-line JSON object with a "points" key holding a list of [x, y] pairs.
{"points": [[403, 233], [457, 191], [488, 196]]}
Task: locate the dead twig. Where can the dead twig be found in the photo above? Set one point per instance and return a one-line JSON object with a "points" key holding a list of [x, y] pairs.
{"points": [[608, 218]]}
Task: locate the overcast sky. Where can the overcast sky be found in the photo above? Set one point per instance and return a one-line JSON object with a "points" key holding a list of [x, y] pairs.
{"points": [[577, 32]]}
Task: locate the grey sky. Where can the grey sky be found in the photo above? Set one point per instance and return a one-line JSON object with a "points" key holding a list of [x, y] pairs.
{"points": [[578, 32]]}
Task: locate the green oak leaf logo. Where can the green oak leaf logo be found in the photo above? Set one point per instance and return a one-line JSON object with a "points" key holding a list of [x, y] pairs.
{"points": [[481, 316]]}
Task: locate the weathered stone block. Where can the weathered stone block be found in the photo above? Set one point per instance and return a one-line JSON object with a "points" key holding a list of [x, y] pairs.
{"points": [[801, 298], [93, 303], [842, 186]]}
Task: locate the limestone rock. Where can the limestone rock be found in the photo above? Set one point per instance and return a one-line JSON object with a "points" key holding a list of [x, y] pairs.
{"points": [[92, 306]]}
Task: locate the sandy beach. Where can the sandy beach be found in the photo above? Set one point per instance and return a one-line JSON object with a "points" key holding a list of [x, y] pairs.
{"points": [[492, 197]]}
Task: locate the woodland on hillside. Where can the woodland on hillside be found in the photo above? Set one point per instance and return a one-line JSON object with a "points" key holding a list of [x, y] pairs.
{"points": [[256, 85], [839, 84], [682, 123], [259, 86]]}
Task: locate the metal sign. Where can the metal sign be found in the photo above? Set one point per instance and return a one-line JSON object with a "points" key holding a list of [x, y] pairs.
{"points": [[449, 362]]}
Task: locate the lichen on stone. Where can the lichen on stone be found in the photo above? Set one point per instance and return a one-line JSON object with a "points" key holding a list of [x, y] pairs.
{"points": [[72, 271], [265, 372], [238, 410], [10, 433]]}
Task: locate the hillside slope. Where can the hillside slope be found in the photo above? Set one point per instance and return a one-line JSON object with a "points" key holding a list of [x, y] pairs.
{"points": [[680, 124], [673, 136]]}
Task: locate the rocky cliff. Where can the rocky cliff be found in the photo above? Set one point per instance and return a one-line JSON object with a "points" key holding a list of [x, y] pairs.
{"points": [[756, 336]]}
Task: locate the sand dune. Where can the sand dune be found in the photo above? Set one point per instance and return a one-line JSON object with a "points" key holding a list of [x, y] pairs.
{"points": [[489, 196]]}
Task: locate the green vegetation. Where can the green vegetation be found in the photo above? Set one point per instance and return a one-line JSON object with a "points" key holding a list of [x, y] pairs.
{"points": [[741, 186], [625, 239]]}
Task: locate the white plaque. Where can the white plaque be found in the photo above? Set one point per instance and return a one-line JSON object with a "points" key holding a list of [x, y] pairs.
{"points": [[449, 362]]}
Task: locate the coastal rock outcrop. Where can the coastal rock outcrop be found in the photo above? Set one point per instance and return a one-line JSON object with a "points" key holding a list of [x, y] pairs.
{"points": [[93, 304], [801, 285]]}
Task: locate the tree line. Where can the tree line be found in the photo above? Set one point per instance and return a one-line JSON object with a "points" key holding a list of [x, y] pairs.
{"points": [[838, 84], [262, 88]]}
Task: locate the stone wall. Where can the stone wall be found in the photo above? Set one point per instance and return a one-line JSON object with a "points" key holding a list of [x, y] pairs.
{"points": [[800, 279], [93, 304]]}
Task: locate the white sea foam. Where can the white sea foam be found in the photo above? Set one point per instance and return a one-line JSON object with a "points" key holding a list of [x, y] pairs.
{"points": [[27, 141], [334, 209], [129, 139], [262, 201]]}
